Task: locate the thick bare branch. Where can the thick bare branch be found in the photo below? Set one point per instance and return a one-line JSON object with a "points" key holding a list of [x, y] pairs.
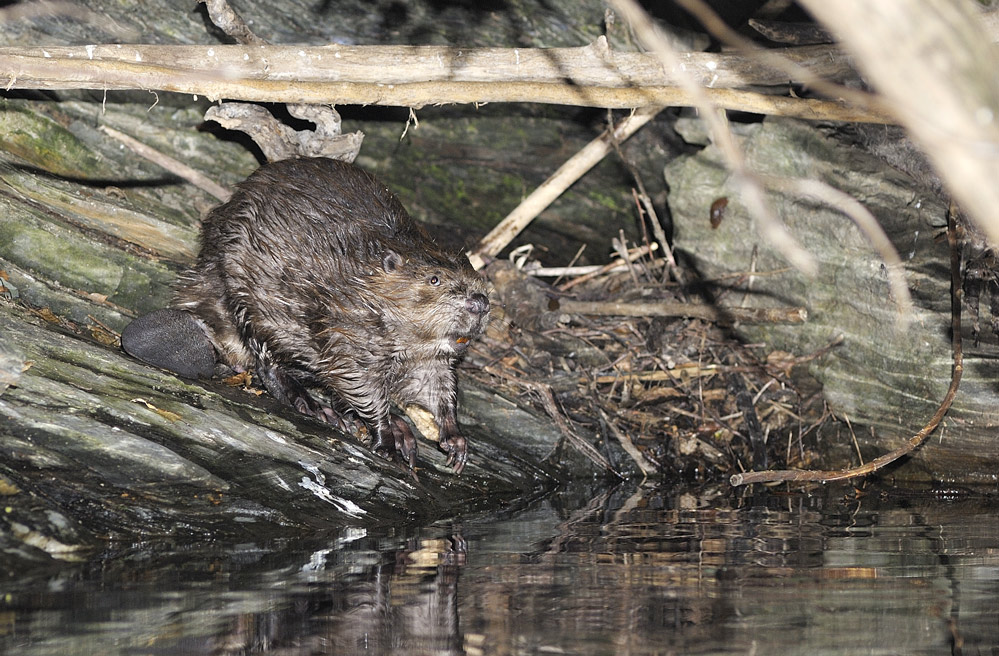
{"points": [[593, 65], [416, 76]]}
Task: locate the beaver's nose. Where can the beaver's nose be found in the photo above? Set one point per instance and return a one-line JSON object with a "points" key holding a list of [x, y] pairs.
{"points": [[477, 304]]}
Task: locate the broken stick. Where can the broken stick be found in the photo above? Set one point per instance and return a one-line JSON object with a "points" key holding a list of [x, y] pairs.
{"points": [[573, 169]]}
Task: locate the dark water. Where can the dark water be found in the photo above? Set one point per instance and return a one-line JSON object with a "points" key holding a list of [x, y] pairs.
{"points": [[611, 572]]}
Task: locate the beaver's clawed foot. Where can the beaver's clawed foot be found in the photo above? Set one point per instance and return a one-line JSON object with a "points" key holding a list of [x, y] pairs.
{"points": [[405, 441], [456, 448], [394, 437], [308, 405]]}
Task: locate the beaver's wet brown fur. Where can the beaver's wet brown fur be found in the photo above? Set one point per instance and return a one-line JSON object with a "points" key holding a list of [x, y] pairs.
{"points": [[313, 275]]}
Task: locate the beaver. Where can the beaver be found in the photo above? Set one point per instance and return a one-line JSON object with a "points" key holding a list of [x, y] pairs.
{"points": [[313, 275]]}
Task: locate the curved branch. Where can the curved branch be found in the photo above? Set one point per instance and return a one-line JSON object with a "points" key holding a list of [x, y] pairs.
{"points": [[799, 475]]}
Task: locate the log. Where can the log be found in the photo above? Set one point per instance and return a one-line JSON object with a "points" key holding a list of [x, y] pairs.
{"points": [[122, 449]]}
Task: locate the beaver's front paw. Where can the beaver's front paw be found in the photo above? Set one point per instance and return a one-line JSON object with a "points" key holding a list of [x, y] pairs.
{"points": [[405, 441], [456, 448]]}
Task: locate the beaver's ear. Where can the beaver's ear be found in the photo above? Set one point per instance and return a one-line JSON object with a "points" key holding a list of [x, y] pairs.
{"points": [[391, 261]]}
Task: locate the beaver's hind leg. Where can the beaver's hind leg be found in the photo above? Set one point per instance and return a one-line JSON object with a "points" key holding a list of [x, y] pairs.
{"points": [[286, 386]]}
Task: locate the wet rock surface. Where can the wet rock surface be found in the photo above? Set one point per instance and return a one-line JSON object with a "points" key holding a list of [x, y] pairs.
{"points": [[97, 445], [887, 374]]}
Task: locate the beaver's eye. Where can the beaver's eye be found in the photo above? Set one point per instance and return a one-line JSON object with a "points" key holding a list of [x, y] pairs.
{"points": [[435, 281]]}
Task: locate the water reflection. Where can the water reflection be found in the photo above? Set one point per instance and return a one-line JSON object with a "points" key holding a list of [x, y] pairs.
{"points": [[611, 572]]}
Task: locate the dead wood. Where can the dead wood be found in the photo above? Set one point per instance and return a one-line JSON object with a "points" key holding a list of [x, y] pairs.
{"points": [[414, 76], [279, 141], [276, 139], [713, 313], [656, 386], [176, 167], [594, 65], [227, 20]]}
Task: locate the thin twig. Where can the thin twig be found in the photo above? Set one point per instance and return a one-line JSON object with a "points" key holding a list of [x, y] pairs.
{"points": [[179, 169], [564, 270], [644, 203], [586, 269], [544, 392], [629, 447], [621, 246], [853, 437], [616, 265]]}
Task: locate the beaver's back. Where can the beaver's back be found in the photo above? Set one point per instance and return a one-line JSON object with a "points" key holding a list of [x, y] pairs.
{"points": [[309, 213], [297, 258]]}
